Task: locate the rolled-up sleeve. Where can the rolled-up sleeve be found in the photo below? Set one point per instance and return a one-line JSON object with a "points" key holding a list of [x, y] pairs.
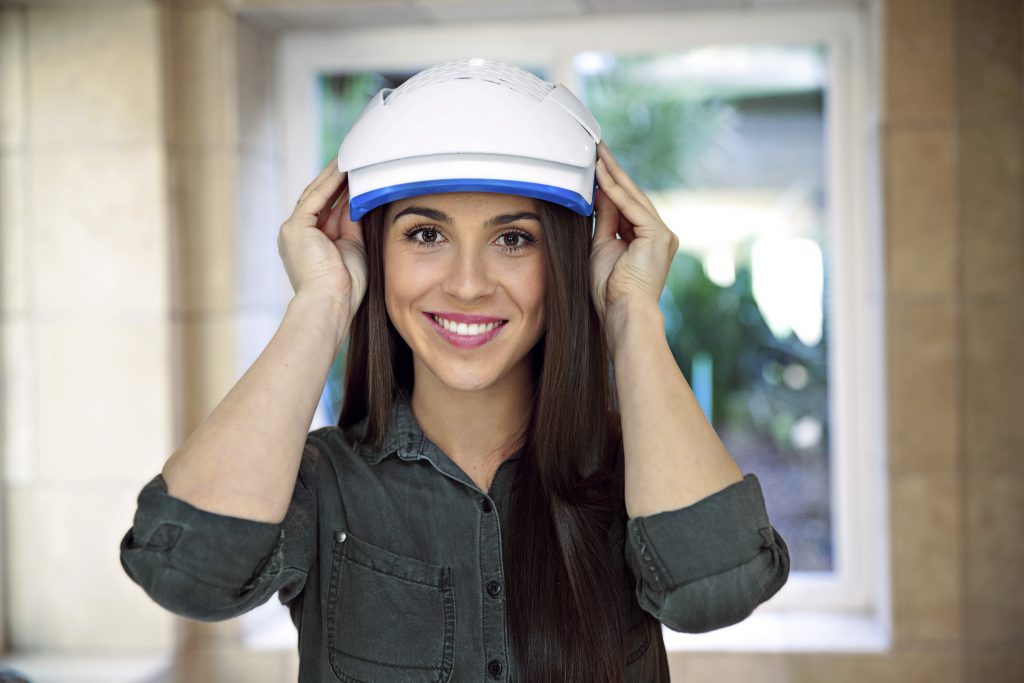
{"points": [[207, 566], [707, 565]]}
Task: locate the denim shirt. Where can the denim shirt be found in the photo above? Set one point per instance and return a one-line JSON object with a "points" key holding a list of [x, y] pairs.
{"points": [[390, 562]]}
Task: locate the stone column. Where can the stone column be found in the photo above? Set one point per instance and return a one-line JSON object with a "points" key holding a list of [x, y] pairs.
{"points": [[88, 413], [231, 289], [990, 289], [139, 209]]}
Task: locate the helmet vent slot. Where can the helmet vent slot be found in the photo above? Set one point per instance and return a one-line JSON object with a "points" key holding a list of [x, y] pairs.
{"points": [[477, 69]]}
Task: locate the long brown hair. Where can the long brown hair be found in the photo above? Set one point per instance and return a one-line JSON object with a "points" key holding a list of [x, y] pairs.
{"points": [[567, 619]]}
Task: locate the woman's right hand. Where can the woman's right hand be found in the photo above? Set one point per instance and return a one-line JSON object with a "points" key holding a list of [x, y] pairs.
{"points": [[322, 249]]}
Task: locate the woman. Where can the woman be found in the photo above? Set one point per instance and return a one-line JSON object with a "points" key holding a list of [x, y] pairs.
{"points": [[479, 513]]}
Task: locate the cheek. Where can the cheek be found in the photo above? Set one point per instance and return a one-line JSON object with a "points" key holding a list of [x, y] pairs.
{"points": [[531, 288], [395, 284], [405, 281]]}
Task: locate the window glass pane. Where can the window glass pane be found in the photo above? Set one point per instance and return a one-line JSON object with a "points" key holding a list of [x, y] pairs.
{"points": [[729, 144]]}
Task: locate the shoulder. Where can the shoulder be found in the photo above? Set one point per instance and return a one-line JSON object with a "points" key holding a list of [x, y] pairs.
{"points": [[341, 446], [330, 442], [333, 458]]}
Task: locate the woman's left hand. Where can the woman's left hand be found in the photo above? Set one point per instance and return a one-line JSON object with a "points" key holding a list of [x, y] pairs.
{"points": [[633, 269]]}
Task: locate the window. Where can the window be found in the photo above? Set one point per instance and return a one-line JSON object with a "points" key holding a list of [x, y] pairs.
{"points": [[729, 143], [747, 131]]}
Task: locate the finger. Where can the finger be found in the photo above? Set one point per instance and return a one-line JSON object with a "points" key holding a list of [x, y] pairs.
{"points": [[350, 230], [332, 224], [329, 206], [611, 221], [316, 181], [616, 170], [626, 230], [622, 178], [641, 218], [607, 218], [317, 199]]}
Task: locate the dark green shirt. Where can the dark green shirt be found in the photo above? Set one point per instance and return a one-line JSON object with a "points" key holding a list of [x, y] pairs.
{"points": [[390, 562]]}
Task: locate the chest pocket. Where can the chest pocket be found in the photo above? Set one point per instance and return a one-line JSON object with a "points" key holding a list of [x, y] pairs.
{"points": [[390, 617]]}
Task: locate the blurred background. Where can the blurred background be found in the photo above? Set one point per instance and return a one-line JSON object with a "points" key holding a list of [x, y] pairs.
{"points": [[845, 178]]}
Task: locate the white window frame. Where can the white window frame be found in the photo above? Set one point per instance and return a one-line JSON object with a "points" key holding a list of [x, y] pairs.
{"points": [[848, 609]]}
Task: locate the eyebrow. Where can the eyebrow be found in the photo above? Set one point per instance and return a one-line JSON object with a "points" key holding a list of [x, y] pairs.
{"points": [[442, 217]]}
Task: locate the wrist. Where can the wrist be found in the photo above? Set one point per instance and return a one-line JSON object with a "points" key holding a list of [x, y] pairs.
{"points": [[327, 311], [627, 320]]}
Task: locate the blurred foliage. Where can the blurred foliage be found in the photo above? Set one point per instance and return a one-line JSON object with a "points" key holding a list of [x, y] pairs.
{"points": [[342, 98], [664, 132], [764, 391], [749, 390], [660, 134]]}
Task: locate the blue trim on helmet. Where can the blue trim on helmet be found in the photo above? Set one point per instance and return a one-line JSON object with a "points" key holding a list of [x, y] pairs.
{"points": [[359, 205]]}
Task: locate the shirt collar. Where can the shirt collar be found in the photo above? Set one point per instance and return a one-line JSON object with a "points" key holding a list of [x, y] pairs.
{"points": [[405, 438]]}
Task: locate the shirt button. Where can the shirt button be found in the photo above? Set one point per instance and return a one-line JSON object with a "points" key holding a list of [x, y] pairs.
{"points": [[485, 505], [493, 588], [494, 668]]}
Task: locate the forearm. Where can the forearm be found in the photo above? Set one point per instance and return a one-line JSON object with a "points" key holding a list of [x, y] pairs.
{"points": [[673, 457], [243, 459]]}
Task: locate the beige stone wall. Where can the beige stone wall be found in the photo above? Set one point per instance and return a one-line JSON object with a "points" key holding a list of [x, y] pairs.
{"points": [[124, 302], [135, 136], [11, 282], [956, 271], [231, 286], [87, 402]]}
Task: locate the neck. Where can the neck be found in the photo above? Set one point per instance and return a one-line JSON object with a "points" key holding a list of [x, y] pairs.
{"points": [[476, 429]]}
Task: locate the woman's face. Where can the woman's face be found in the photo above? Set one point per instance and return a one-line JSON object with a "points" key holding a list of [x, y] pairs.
{"points": [[464, 278]]}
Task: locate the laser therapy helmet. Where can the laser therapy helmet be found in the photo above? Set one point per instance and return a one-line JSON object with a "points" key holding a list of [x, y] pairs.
{"points": [[472, 125]]}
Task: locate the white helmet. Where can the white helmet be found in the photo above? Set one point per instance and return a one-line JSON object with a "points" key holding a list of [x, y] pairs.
{"points": [[472, 125]]}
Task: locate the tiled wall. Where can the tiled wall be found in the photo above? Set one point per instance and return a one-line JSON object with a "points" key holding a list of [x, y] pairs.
{"points": [[232, 288], [990, 101], [87, 372], [122, 319], [134, 136], [958, 324]]}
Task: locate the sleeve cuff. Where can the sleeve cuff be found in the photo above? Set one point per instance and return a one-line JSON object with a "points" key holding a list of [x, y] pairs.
{"points": [[218, 549], [717, 533]]}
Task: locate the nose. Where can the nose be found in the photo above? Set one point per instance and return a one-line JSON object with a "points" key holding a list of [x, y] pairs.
{"points": [[468, 276]]}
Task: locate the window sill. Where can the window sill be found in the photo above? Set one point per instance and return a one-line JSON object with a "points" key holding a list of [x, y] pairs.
{"points": [[764, 631], [788, 632], [42, 667]]}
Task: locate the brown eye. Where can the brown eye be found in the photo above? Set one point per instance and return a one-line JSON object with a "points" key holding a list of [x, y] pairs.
{"points": [[515, 241], [423, 236]]}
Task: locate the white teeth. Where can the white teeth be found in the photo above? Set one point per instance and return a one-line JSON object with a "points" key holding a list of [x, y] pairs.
{"points": [[464, 330]]}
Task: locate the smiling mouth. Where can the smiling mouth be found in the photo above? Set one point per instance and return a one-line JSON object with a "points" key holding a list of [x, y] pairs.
{"points": [[466, 329]]}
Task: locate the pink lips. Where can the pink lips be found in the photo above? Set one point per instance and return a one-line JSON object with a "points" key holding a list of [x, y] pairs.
{"points": [[461, 341], [465, 317]]}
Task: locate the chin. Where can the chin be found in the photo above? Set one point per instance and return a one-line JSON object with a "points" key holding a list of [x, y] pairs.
{"points": [[466, 380]]}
